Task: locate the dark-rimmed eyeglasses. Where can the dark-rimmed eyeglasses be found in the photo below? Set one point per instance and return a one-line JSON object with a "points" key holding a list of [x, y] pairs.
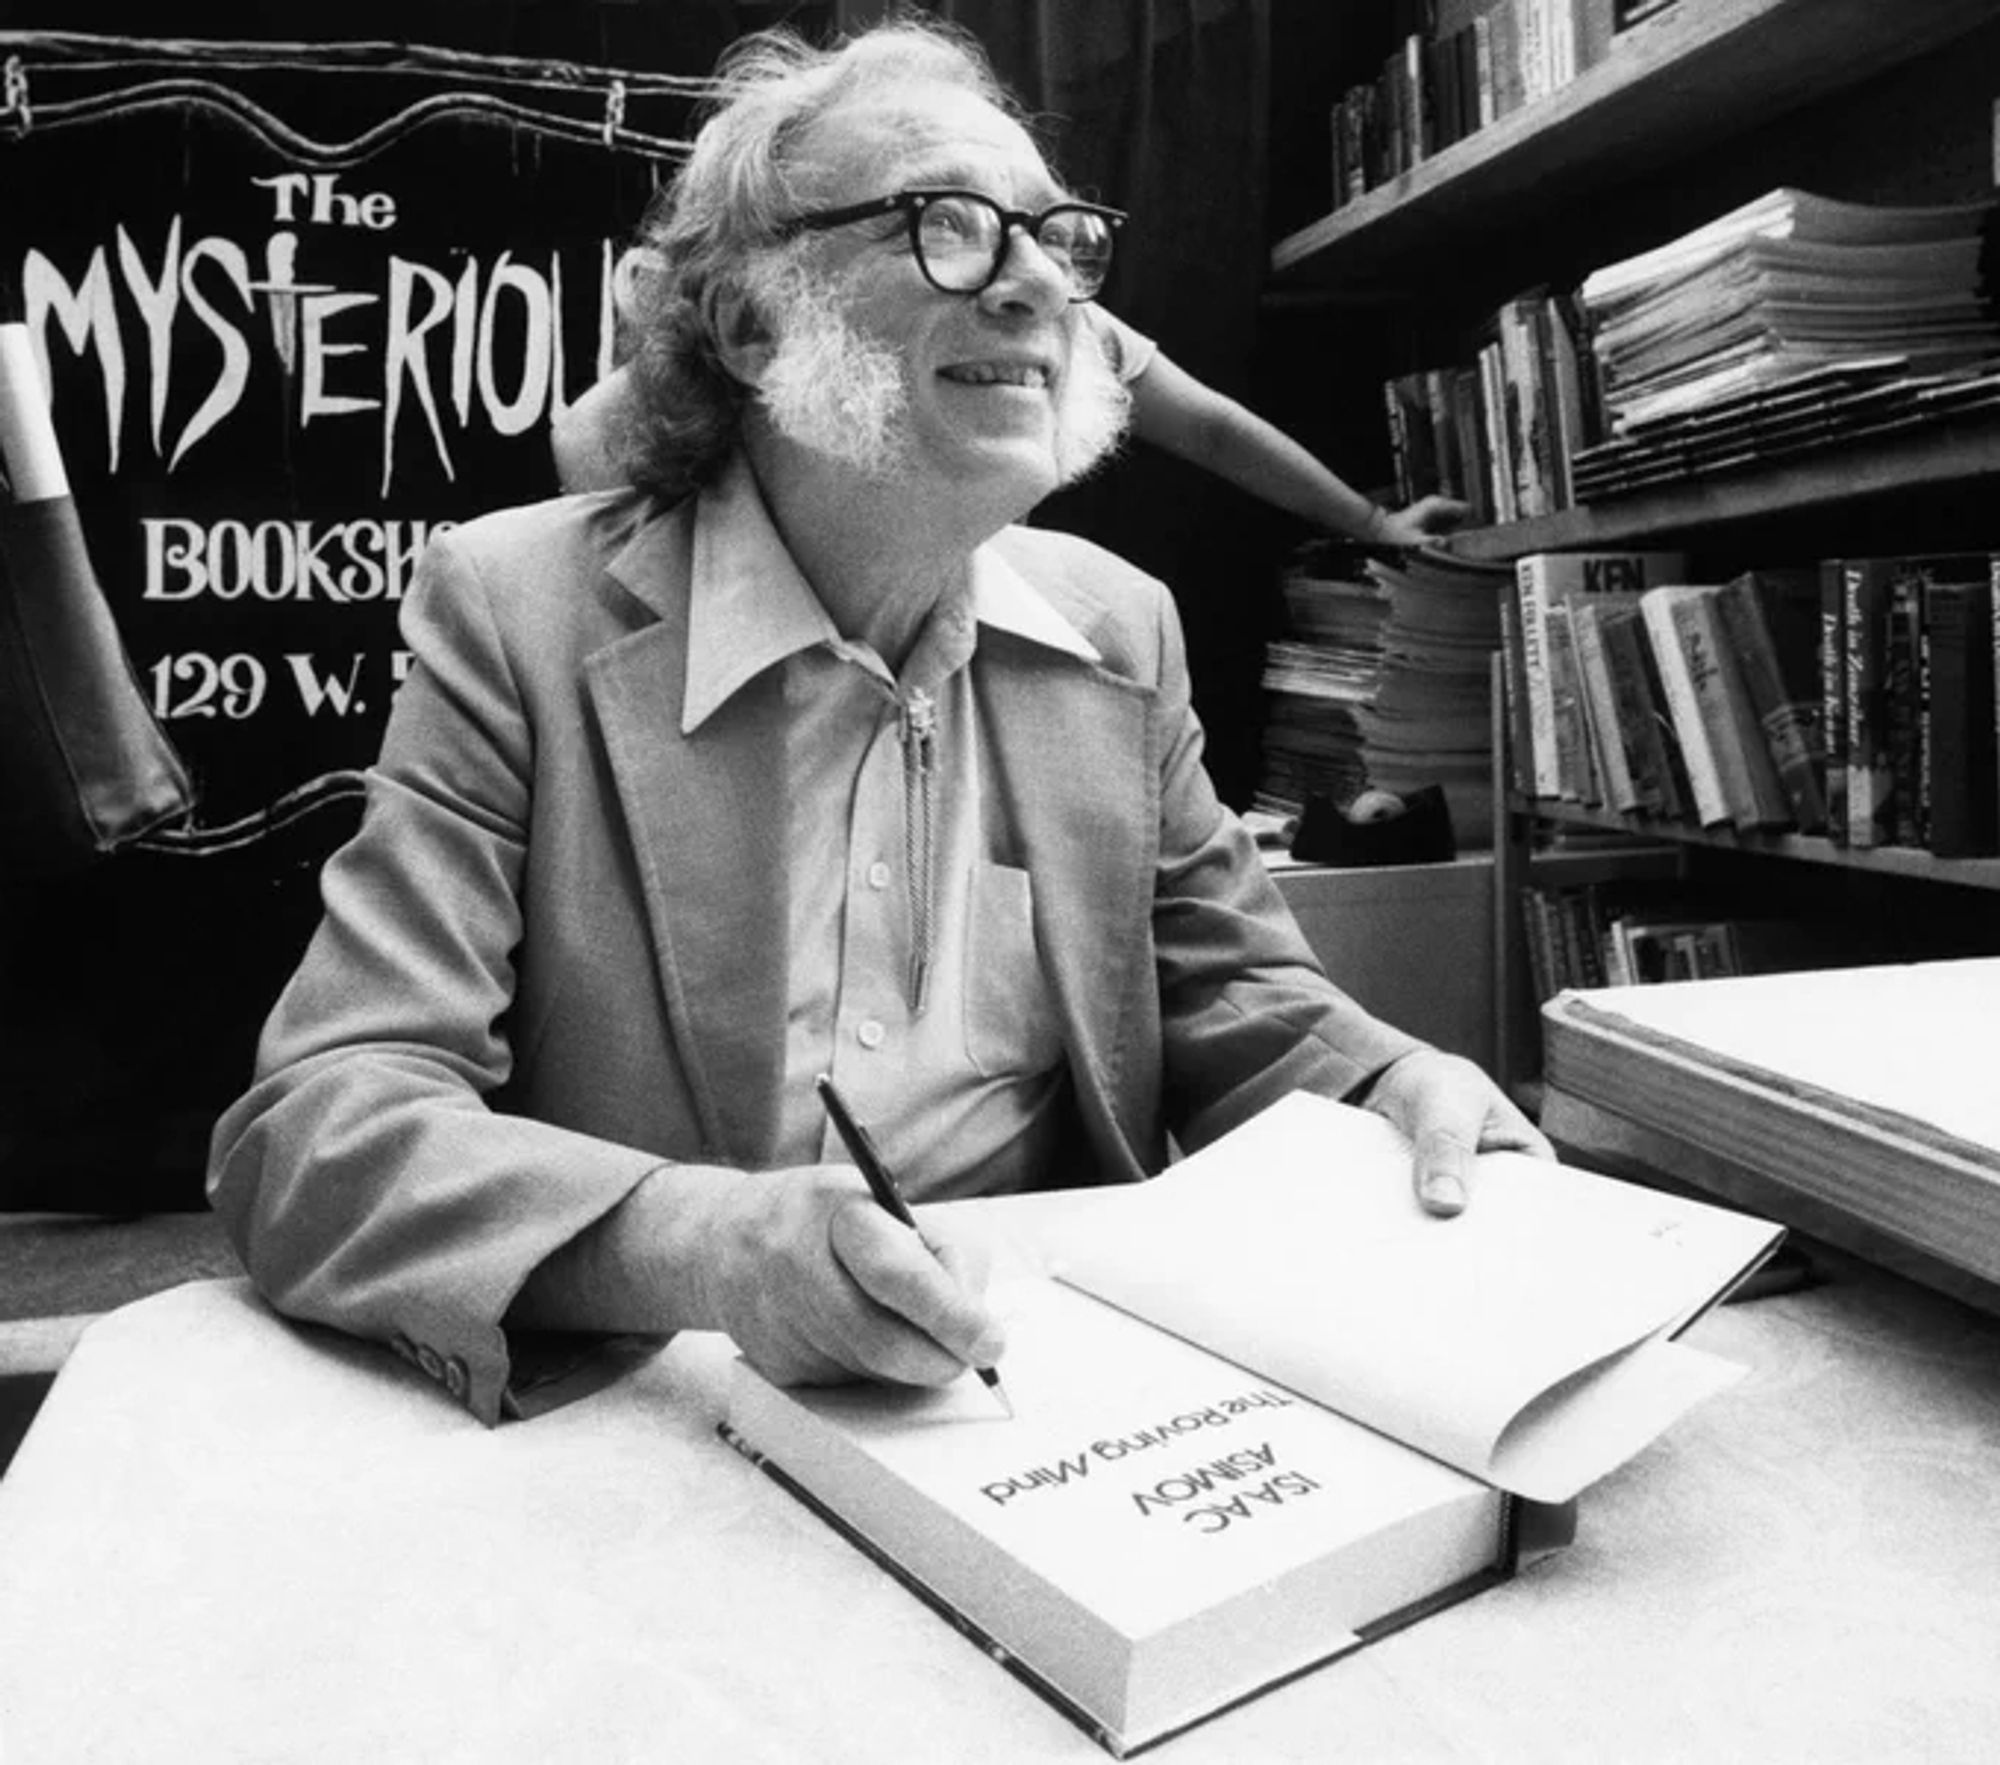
{"points": [[960, 238]]}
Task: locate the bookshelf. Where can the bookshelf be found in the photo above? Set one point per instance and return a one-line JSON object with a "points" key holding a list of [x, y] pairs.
{"points": [[1681, 80], [1642, 135]]}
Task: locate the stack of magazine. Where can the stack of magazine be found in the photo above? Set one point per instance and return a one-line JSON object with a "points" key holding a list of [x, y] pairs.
{"points": [[1785, 287], [1430, 720]]}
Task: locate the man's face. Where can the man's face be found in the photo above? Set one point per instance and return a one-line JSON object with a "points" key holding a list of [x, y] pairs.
{"points": [[995, 396]]}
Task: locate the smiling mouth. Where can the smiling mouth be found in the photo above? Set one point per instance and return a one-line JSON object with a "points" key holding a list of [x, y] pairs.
{"points": [[1028, 374]]}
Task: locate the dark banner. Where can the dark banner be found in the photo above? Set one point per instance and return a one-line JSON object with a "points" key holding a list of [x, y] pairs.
{"points": [[296, 311]]}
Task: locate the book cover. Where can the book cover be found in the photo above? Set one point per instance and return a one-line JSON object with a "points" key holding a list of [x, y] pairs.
{"points": [[1575, 767], [1771, 618], [1865, 641], [1749, 779], [1153, 1536], [1962, 777], [1542, 579], [1905, 717], [1666, 638], [1833, 692], [1599, 692], [1651, 752], [1261, 1417]]}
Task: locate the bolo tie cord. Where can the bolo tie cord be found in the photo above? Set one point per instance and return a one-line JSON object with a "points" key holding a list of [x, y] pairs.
{"points": [[917, 726]]}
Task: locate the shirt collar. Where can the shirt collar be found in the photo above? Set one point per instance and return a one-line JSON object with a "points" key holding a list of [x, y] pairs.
{"points": [[749, 607]]}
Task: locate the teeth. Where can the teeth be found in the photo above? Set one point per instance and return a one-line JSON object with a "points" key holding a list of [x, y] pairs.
{"points": [[999, 374]]}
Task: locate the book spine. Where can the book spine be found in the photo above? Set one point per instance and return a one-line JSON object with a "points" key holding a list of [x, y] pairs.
{"points": [[1573, 770], [1514, 684], [1527, 413], [1739, 731], [1905, 686], [1833, 692], [1865, 586], [1493, 411], [1488, 97], [1961, 749], [1532, 595], [1600, 701], [1783, 691], [1641, 728], [1664, 632], [1707, 666]]}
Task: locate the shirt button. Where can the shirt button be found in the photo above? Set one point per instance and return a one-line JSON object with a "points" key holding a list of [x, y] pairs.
{"points": [[878, 875], [870, 1033]]}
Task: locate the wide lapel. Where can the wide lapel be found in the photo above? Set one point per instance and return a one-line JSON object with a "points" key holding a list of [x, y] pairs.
{"points": [[706, 824], [1069, 751]]}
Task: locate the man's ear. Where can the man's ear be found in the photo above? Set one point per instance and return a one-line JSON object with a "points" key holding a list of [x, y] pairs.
{"points": [[743, 341]]}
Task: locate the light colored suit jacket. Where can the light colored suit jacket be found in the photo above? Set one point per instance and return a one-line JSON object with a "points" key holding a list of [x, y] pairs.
{"points": [[553, 955]]}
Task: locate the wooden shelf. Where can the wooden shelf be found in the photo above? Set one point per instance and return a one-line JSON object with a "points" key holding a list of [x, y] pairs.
{"points": [[1950, 453], [1905, 861], [1686, 78]]}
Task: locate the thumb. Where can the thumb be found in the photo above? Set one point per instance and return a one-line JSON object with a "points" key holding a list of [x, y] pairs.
{"points": [[1443, 1172]]}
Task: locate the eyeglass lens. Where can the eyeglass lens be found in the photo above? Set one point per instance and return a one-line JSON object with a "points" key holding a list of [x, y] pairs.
{"points": [[963, 240]]}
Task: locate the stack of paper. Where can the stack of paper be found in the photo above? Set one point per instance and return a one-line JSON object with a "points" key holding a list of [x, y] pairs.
{"points": [[1317, 679], [1430, 720], [1779, 287]]}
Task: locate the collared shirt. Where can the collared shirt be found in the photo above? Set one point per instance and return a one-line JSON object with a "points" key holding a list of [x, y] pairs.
{"points": [[957, 1070]]}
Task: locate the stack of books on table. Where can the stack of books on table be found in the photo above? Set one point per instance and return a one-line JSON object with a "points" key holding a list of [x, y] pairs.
{"points": [[1785, 285]]}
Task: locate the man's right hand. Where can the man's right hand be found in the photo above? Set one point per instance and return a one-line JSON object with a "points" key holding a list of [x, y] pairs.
{"points": [[816, 1283]]}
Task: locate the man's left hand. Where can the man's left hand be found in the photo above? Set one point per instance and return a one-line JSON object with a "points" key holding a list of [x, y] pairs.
{"points": [[1451, 1112]]}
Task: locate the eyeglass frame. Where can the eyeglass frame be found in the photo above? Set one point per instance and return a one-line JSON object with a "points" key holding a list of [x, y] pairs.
{"points": [[912, 203]]}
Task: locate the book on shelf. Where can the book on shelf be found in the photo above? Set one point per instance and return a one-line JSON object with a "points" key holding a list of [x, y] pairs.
{"points": [[1576, 766], [1771, 619], [1269, 1411], [1544, 579], [1644, 952], [1619, 786], [1749, 776], [1833, 692], [1904, 714], [1865, 584], [1652, 755], [1961, 782], [1681, 645]]}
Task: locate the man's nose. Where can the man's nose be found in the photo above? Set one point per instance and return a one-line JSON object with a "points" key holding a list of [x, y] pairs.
{"points": [[1029, 277]]}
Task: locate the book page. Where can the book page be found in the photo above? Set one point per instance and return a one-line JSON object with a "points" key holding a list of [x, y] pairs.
{"points": [[1295, 1246]]}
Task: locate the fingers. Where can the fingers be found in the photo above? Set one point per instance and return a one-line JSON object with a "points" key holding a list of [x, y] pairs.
{"points": [[929, 1322], [816, 1283], [1451, 1112], [1443, 1173]]}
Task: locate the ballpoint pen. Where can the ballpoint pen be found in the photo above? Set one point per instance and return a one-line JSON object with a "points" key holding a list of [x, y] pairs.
{"points": [[882, 1186]]}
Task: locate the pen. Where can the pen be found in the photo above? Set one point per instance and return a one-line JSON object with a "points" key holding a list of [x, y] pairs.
{"points": [[882, 1186]]}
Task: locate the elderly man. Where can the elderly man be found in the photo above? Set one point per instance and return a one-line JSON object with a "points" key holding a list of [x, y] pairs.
{"points": [[803, 760]]}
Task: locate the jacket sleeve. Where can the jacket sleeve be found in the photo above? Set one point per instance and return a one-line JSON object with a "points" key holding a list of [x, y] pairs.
{"points": [[363, 1176], [1247, 1012]]}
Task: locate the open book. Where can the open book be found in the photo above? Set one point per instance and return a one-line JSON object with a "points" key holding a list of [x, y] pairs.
{"points": [[1270, 1410]]}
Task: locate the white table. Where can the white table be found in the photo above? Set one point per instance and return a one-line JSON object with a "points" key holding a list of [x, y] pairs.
{"points": [[226, 1539]]}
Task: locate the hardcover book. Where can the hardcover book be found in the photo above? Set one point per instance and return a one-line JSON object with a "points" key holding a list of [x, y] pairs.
{"points": [[1669, 614], [1268, 1411], [1749, 778], [1871, 807], [1771, 619], [1961, 766]]}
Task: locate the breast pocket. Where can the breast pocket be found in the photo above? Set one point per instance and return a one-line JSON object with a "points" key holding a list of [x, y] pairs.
{"points": [[1010, 1016]]}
